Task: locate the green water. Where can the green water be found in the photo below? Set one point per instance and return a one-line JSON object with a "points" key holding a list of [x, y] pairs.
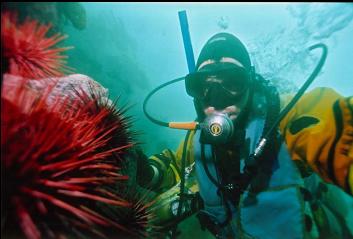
{"points": [[131, 48]]}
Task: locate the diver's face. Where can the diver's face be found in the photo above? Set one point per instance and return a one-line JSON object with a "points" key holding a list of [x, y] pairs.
{"points": [[222, 88]]}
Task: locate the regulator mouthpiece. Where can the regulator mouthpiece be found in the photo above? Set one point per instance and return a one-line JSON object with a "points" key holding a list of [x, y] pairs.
{"points": [[217, 128]]}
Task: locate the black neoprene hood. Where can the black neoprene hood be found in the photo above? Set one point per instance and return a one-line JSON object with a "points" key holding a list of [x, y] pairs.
{"points": [[224, 45]]}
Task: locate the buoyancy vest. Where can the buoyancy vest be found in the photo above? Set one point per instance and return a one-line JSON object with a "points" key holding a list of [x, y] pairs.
{"points": [[279, 210]]}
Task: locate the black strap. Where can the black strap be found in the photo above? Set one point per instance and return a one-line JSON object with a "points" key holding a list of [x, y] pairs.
{"points": [[219, 186]]}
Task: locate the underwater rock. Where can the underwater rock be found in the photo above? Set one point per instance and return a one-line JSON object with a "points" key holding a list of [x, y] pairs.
{"points": [[55, 13]]}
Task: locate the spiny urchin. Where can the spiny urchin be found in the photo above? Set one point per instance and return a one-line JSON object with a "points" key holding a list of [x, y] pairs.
{"points": [[61, 149], [28, 51], [55, 166]]}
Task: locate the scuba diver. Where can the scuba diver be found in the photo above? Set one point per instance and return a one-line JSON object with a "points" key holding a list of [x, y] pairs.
{"points": [[272, 195]]}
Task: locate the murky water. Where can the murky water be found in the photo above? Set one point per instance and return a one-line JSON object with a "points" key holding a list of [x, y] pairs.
{"points": [[131, 48]]}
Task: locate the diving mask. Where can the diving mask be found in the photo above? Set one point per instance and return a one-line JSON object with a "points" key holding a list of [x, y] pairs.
{"points": [[234, 81]]}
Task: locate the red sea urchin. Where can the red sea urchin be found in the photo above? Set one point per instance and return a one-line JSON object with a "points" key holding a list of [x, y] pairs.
{"points": [[29, 52], [62, 147], [54, 168]]}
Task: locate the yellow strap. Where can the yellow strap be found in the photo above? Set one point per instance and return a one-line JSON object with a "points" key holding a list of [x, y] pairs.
{"points": [[175, 171]]}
